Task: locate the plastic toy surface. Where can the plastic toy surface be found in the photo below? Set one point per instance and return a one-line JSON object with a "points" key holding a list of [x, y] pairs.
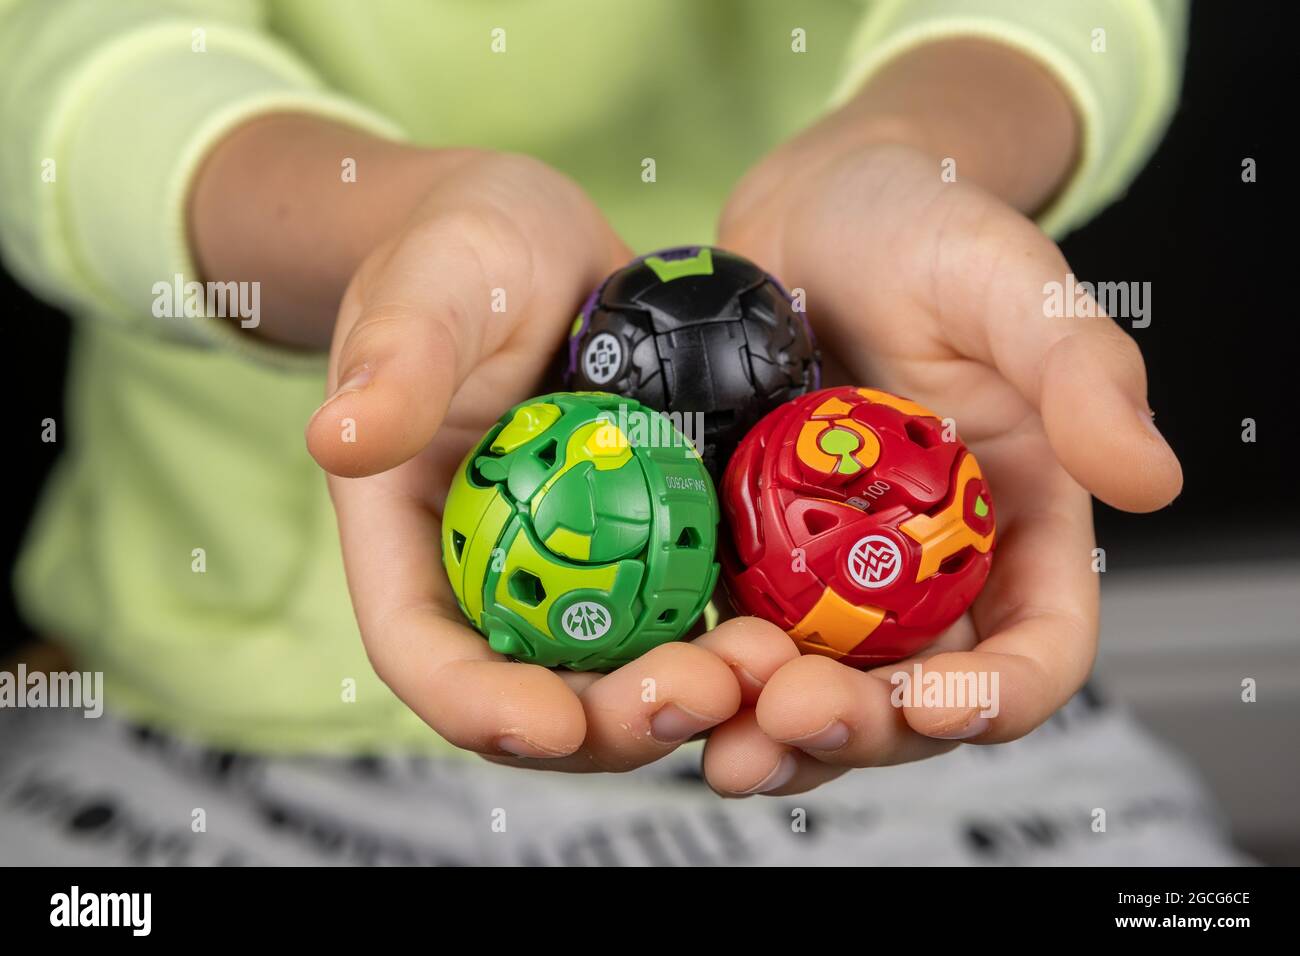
{"points": [[695, 330], [581, 532], [855, 526]]}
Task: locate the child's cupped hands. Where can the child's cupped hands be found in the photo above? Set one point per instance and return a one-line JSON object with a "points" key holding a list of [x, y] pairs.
{"points": [[928, 288]]}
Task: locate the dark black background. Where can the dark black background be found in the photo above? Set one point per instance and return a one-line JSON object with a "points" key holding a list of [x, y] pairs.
{"points": [[1217, 251]]}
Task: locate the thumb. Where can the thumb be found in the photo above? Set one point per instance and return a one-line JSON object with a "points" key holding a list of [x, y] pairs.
{"points": [[1092, 399], [398, 359], [429, 320], [1083, 373], [397, 373]]}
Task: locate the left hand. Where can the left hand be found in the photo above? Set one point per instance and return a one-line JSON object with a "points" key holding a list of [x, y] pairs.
{"points": [[934, 290]]}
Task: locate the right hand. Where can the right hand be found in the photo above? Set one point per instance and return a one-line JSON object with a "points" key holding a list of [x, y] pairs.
{"points": [[423, 366]]}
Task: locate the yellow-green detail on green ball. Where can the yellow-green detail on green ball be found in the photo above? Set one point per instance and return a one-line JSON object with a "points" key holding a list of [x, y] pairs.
{"points": [[580, 532]]}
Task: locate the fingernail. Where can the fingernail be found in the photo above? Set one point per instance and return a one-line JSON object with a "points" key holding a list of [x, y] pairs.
{"points": [[355, 380], [966, 731], [519, 747], [779, 777], [673, 724], [831, 737]]}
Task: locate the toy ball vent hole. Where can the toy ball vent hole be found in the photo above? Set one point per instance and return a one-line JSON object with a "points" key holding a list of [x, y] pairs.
{"points": [[689, 538], [923, 433], [954, 563], [668, 616], [457, 545], [526, 588], [816, 521], [546, 454]]}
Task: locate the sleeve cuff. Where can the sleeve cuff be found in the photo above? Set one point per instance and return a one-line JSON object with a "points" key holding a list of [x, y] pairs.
{"points": [[1124, 96], [136, 125]]}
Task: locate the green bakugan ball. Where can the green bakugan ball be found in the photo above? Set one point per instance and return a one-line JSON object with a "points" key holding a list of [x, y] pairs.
{"points": [[580, 532]]}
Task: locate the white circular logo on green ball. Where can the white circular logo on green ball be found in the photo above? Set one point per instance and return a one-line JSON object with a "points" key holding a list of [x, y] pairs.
{"points": [[586, 621]]}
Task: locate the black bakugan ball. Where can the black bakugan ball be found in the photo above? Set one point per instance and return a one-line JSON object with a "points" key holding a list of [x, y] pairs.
{"points": [[701, 334]]}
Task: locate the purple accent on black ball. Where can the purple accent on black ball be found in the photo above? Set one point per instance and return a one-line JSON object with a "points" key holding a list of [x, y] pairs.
{"points": [[668, 255]]}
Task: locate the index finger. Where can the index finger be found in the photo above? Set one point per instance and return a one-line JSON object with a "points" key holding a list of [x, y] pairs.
{"points": [[1004, 294]]}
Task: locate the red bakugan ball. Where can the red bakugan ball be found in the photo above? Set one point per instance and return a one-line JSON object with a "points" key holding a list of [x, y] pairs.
{"points": [[854, 525]]}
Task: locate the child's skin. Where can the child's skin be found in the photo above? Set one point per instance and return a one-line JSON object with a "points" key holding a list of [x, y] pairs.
{"points": [[928, 288]]}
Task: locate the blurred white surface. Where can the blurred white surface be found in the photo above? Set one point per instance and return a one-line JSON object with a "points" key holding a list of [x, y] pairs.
{"points": [[1177, 644]]}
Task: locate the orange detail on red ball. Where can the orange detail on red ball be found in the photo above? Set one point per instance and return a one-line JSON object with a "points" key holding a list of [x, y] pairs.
{"points": [[857, 523]]}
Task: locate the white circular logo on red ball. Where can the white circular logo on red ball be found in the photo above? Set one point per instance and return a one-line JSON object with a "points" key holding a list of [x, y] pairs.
{"points": [[874, 561], [603, 358]]}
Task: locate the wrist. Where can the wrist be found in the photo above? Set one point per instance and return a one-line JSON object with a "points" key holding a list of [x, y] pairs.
{"points": [[295, 203], [997, 115]]}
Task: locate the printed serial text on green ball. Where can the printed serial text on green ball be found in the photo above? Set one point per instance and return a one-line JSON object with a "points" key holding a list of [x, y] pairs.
{"points": [[573, 539]]}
